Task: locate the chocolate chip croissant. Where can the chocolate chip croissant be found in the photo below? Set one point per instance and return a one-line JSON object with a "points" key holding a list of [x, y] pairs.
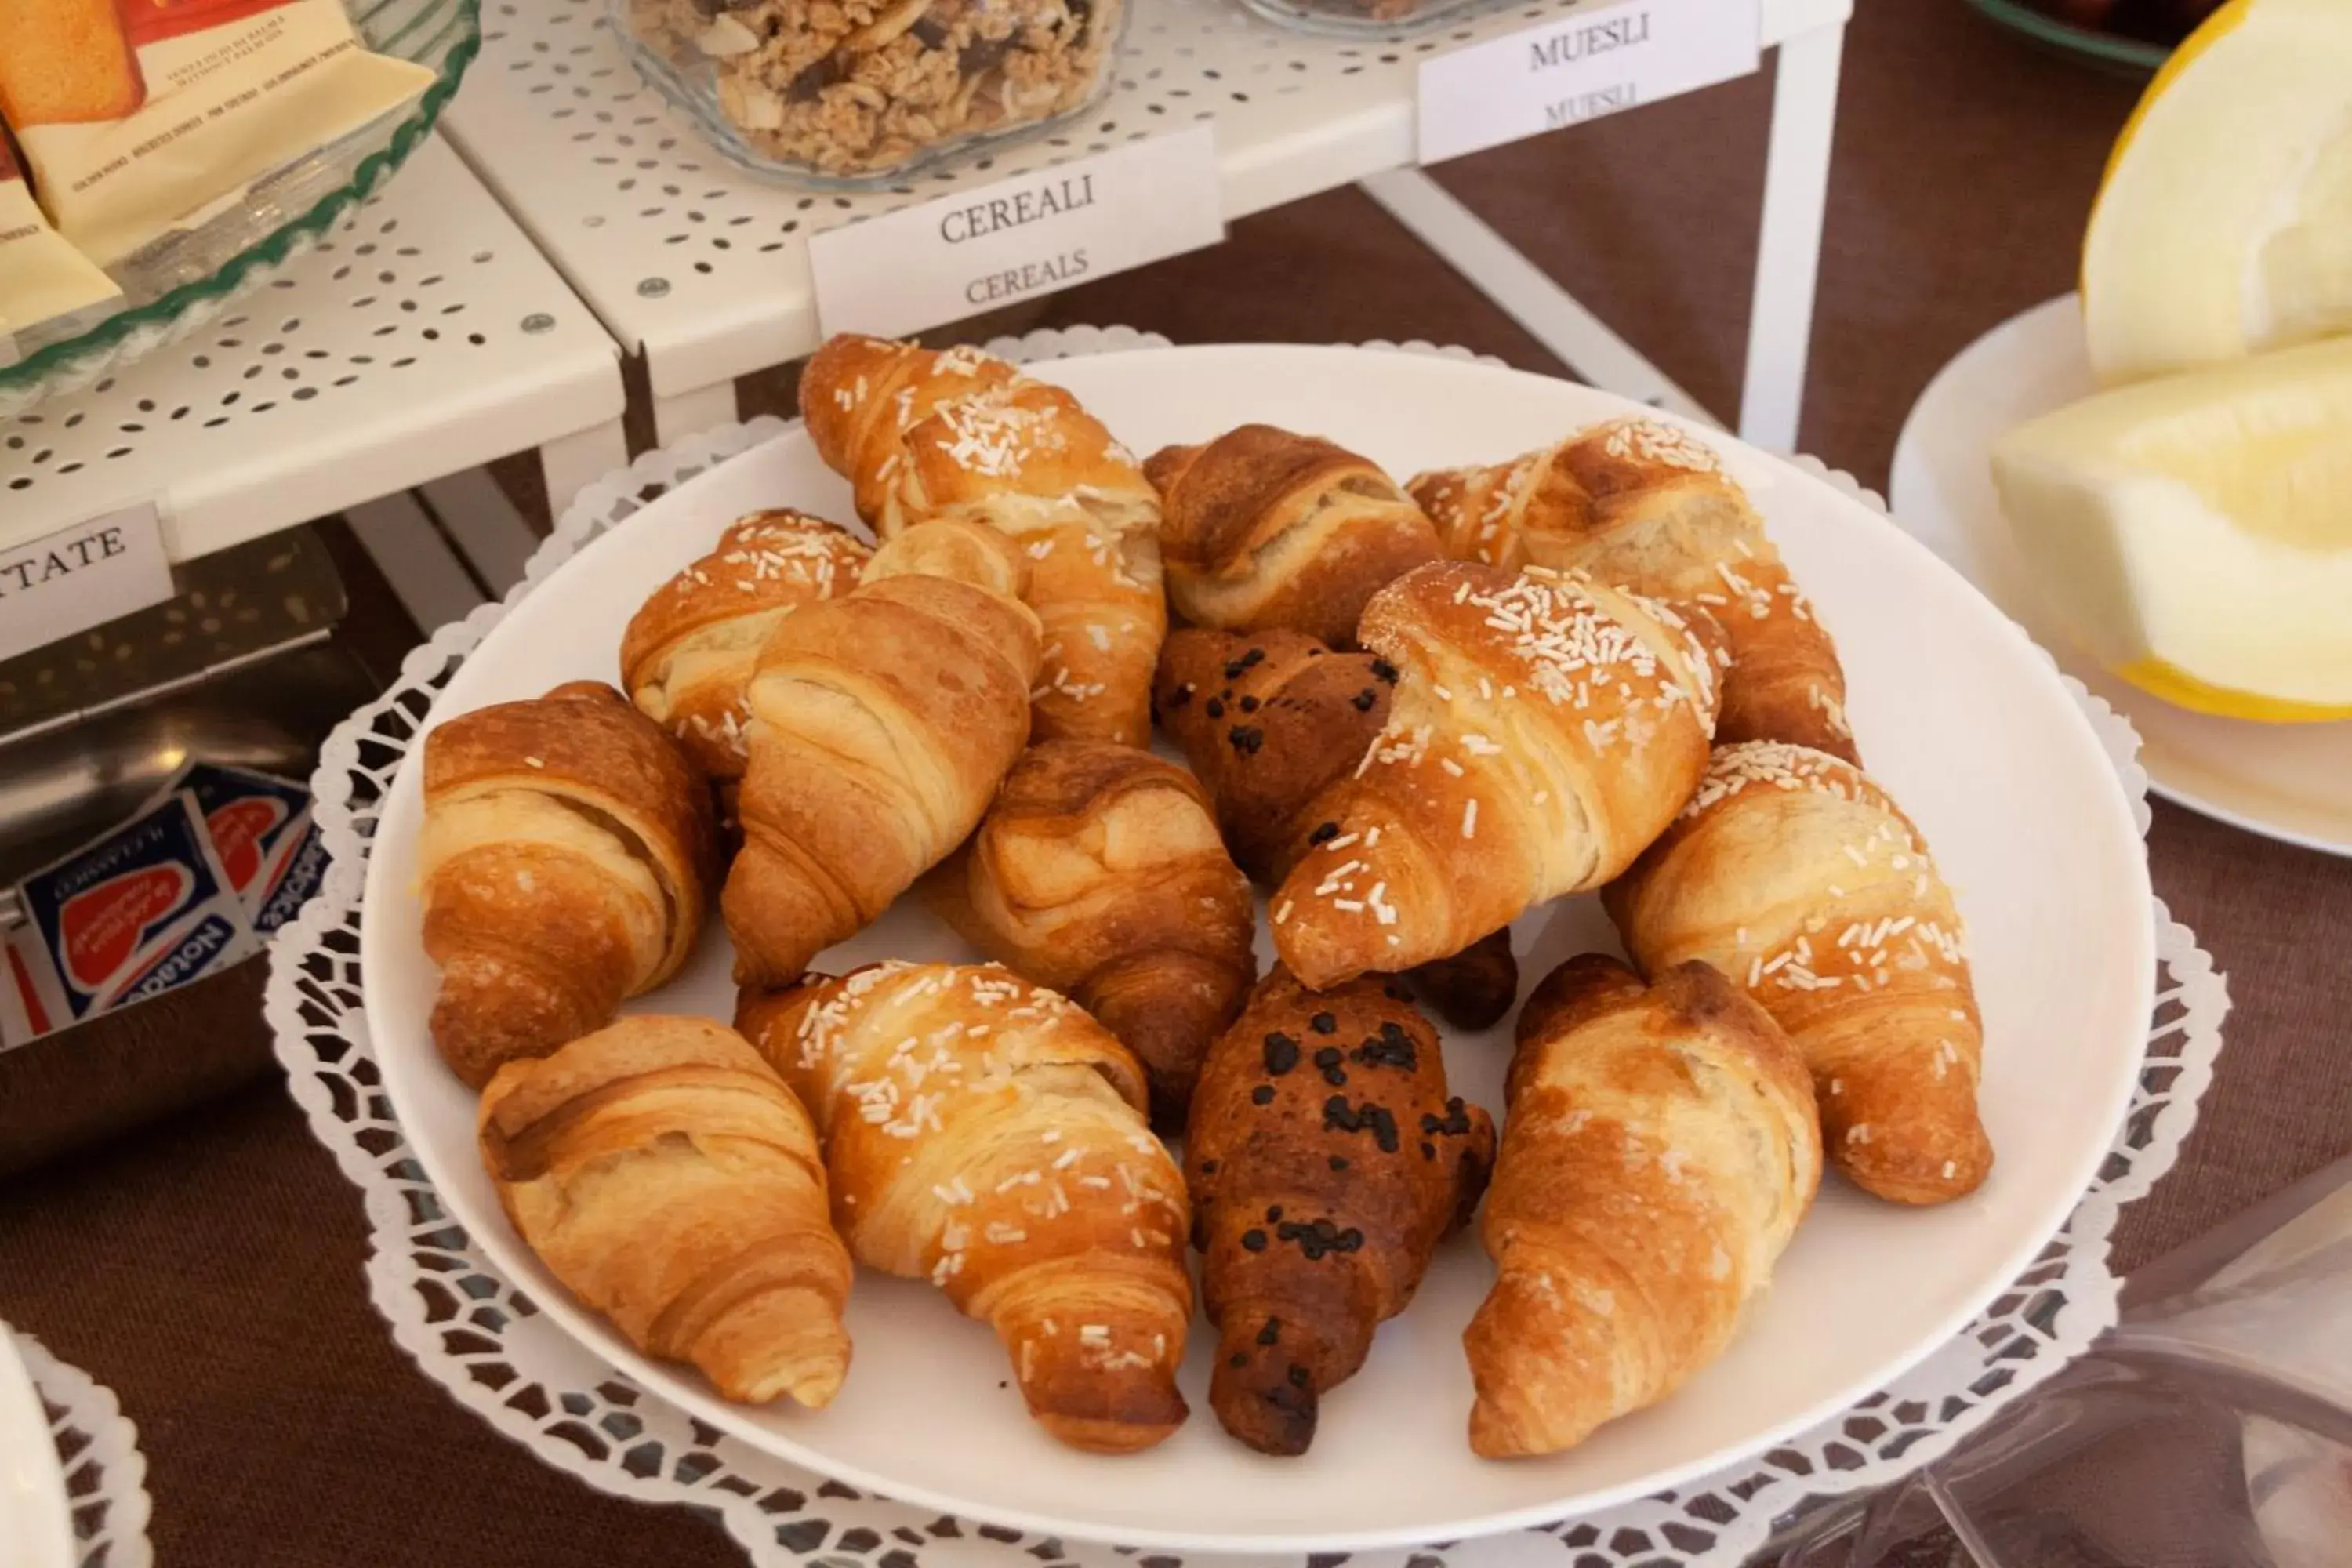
{"points": [[1326, 1159]]}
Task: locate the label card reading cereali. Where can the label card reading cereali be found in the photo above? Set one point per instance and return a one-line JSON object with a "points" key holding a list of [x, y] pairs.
{"points": [[1591, 62], [1020, 237], [80, 577]]}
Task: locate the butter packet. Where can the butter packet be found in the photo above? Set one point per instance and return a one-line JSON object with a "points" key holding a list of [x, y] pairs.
{"points": [[142, 118], [48, 290]]}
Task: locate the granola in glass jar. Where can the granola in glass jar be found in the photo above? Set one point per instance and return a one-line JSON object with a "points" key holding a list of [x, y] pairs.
{"points": [[863, 86]]}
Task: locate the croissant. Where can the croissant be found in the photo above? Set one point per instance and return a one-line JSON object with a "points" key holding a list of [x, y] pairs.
{"points": [[924, 434], [1796, 874], [1325, 1160], [1098, 873], [1543, 730], [1659, 1148], [1267, 721], [565, 859], [1642, 504], [1263, 529], [882, 721], [988, 1136], [687, 653], [668, 1178]]}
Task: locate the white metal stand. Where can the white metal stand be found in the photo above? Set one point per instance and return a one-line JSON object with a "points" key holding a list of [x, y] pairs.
{"points": [[1788, 252], [1787, 260], [427, 336], [703, 268]]}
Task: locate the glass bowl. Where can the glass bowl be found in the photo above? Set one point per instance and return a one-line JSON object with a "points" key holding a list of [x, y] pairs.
{"points": [[859, 94], [161, 307]]}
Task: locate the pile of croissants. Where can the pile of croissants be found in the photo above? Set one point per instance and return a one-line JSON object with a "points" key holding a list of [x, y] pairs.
{"points": [[1411, 714]]}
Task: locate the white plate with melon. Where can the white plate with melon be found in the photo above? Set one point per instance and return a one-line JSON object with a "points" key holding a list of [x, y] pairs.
{"points": [[2287, 781], [2155, 478]]}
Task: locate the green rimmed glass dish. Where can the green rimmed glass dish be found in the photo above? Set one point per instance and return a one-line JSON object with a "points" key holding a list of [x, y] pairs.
{"points": [[443, 36], [2110, 52]]}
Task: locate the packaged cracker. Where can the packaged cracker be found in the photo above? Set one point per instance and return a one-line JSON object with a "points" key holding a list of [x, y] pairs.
{"points": [[145, 119], [141, 911], [48, 290]]}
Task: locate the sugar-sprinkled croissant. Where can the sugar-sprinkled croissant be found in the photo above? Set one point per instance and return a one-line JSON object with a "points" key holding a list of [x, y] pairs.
{"points": [[959, 434], [1645, 505], [1545, 729], [1797, 875], [688, 652], [1326, 1159], [986, 1135], [1269, 721]]}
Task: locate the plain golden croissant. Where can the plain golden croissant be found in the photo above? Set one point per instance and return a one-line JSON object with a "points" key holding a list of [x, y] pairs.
{"points": [[1268, 723], [1796, 874], [667, 1177], [1263, 529], [882, 721], [1098, 873], [959, 434], [565, 855], [1659, 1148], [1326, 1160], [687, 654], [988, 1136], [1543, 730], [1642, 504]]}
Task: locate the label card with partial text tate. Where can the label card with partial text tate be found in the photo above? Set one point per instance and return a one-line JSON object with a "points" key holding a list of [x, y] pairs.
{"points": [[1017, 238], [82, 576], [1594, 61]]}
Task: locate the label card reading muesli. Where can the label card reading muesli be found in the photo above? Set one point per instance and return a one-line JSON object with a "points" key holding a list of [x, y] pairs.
{"points": [[1591, 62], [1018, 238]]}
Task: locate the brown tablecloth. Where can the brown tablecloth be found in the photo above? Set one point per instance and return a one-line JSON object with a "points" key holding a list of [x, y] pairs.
{"points": [[209, 1270]]}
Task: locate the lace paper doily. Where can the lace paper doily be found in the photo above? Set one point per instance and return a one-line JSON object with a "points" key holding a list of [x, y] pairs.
{"points": [[475, 1334], [98, 1450]]}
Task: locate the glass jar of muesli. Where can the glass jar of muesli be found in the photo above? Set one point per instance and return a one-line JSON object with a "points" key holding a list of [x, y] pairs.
{"points": [[861, 92]]}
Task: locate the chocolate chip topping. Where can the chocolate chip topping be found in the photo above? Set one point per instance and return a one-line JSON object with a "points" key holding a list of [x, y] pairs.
{"points": [[1384, 670], [1262, 1095], [1456, 1120], [1281, 1053], [1324, 1024], [1324, 833], [1339, 1116], [1214, 709], [1246, 738], [1365, 700], [1391, 1047], [1254, 1240]]}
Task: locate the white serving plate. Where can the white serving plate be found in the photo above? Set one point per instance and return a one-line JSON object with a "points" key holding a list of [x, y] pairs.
{"points": [[36, 1527], [1963, 719], [2290, 782]]}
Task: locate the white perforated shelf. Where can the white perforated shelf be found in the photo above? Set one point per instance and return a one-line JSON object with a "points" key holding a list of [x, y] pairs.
{"points": [[705, 269], [427, 335]]}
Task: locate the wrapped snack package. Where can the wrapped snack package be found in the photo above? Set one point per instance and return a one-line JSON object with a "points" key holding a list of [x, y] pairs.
{"points": [[144, 117], [48, 289]]}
